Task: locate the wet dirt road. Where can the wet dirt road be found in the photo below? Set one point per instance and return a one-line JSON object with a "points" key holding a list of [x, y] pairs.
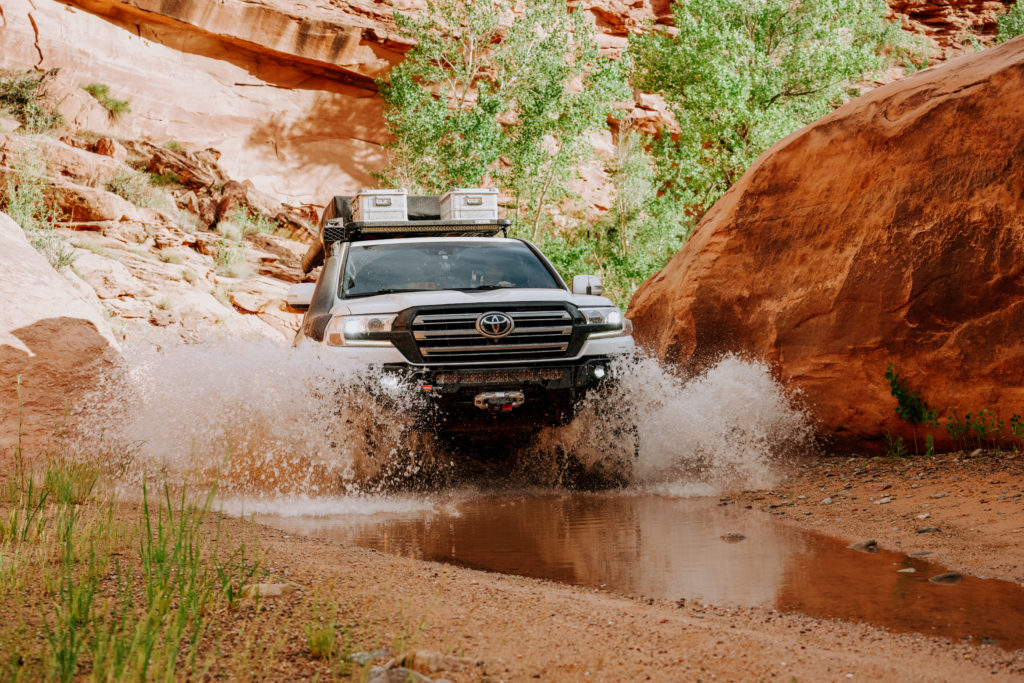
{"points": [[677, 549]]}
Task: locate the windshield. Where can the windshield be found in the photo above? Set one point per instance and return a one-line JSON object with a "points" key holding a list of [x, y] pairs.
{"points": [[426, 266]]}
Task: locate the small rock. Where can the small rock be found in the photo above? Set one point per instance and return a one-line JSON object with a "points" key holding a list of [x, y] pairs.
{"points": [[869, 546], [975, 453], [424, 660], [9, 124], [883, 501], [267, 590], [110, 147], [929, 530], [733, 537], [922, 553], [362, 658], [939, 495], [924, 515], [947, 579], [908, 570], [827, 501]]}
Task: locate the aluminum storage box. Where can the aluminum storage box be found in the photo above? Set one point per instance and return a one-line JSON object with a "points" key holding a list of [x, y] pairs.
{"points": [[380, 205], [470, 204]]}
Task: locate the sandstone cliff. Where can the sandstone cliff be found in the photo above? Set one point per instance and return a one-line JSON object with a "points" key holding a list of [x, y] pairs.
{"points": [[891, 230]]}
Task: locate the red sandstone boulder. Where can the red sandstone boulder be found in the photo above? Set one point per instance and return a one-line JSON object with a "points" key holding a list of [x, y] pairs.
{"points": [[891, 230], [52, 338]]}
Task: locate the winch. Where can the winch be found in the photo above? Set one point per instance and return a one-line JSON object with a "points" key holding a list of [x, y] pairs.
{"points": [[499, 400]]}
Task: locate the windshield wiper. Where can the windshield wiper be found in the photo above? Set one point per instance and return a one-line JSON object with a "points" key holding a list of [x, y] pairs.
{"points": [[388, 291], [479, 288]]}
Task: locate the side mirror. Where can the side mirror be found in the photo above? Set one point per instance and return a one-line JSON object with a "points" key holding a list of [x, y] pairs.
{"points": [[299, 296], [587, 284]]}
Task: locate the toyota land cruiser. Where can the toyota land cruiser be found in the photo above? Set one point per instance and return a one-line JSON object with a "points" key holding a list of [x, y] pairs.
{"points": [[478, 328]]}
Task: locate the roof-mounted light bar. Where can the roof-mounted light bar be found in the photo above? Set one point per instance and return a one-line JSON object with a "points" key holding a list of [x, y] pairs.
{"points": [[337, 230]]}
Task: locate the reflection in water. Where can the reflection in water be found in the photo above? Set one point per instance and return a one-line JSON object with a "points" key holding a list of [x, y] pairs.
{"points": [[671, 548]]}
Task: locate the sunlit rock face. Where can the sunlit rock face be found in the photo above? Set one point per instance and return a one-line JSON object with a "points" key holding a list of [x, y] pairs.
{"points": [[286, 96], [950, 25], [891, 230], [286, 91]]}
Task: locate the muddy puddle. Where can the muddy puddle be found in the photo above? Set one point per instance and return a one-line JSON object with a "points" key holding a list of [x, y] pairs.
{"points": [[673, 549]]}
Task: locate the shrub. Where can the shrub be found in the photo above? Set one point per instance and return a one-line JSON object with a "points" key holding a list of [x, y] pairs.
{"points": [[1011, 24], [230, 259], [136, 188], [116, 108], [476, 99], [164, 179], [26, 202], [19, 96], [251, 222], [910, 407], [739, 76], [894, 446]]}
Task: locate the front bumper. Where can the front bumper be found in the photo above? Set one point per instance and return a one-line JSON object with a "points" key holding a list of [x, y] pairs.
{"points": [[363, 356], [447, 396]]}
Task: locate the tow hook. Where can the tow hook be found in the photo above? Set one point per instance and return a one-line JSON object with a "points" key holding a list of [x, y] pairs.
{"points": [[499, 400]]}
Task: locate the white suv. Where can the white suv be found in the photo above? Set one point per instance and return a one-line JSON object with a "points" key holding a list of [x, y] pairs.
{"points": [[481, 330]]}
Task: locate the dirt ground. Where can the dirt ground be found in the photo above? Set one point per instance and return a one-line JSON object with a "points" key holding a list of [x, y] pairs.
{"points": [[471, 625]]}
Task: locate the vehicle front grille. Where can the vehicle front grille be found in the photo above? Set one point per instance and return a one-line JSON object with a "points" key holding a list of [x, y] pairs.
{"points": [[452, 337]]}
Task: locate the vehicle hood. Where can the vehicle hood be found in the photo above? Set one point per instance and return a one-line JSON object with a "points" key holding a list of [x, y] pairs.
{"points": [[393, 303]]}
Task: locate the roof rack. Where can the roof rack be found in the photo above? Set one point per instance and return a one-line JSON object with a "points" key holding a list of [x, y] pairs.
{"points": [[337, 230], [336, 225]]}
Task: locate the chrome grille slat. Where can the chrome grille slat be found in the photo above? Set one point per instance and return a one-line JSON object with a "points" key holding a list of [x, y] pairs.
{"points": [[491, 348], [540, 333], [518, 332]]}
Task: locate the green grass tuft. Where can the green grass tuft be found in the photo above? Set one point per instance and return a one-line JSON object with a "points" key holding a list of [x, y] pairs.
{"points": [[116, 108]]}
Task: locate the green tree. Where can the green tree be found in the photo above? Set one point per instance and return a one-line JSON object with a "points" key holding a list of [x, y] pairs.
{"points": [[486, 95], [740, 75], [1011, 24]]}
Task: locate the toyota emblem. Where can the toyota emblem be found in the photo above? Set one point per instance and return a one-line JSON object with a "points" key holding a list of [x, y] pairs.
{"points": [[495, 325]]}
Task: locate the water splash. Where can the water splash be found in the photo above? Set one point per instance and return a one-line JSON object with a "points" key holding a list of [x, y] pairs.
{"points": [[272, 422], [730, 426]]}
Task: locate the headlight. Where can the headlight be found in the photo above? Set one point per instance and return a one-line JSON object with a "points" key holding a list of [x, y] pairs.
{"points": [[606, 321], [358, 330]]}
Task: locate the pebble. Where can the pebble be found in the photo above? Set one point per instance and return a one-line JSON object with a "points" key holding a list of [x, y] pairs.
{"points": [[733, 537], [883, 501], [379, 674], [267, 590], [869, 546], [947, 579], [922, 553], [362, 658], [939, 495], [827, 501], [924, 515], [908, 570], [929, 530]]}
